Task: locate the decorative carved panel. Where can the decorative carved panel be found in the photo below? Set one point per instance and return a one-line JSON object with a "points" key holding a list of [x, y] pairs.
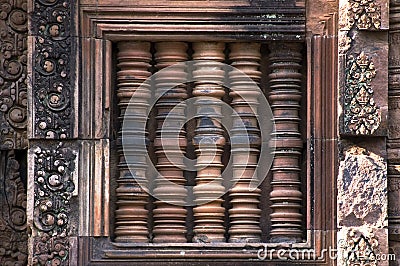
{"points": [[13, 233], [370, 15], [53, 70], [362, 116], [13, 132], [13, 74], [54, 186], [364, 14], [362, 67]]}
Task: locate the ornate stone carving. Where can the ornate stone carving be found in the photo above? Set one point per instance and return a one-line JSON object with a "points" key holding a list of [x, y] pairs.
{"points": [[13, 74], [361, 115], [359, 249], [365, 14], [131, 216], [170, 144], [209, 142], [53, 76], [54, 185], [285, 96], [245, 212], [13, 235], [51, 250]]}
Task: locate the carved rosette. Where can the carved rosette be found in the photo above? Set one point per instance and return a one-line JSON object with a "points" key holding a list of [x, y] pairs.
{"points": [[285, 96], [53, 183], [131, 216], [364, 14], [209, 142], [13, 235], [53, 60], [13, 74], [361, 115], [170, 144], [245, 141]]}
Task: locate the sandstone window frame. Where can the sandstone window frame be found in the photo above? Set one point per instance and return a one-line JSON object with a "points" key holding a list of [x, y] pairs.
{"points": [[100, 26]]}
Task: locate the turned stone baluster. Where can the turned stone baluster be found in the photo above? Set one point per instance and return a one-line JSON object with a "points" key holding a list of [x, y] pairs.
{"points": [[245, 142], [286, 196], [170, 144], [209, 142], [131, 216]]}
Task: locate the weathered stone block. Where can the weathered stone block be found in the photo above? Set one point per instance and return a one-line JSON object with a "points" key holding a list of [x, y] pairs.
{"points": [[362, 188]]}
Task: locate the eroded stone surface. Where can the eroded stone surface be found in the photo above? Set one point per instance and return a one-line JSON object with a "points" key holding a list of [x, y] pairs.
{"points": [[362, 246], [362, 189]]}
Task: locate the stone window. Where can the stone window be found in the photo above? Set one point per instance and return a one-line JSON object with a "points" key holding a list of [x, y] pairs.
{"points": [[130, 213], [216, 197]]}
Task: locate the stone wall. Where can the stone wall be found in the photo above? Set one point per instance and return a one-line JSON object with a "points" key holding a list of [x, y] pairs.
{"points": [[56, 139]]}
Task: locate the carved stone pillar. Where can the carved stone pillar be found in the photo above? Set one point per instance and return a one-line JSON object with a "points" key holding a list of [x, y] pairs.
{"points": [[131, 215], [245, 212], [209, 142], [13, 132], [170, 144], [363, 125], [393, 142], [53, 113], [286, 196]]}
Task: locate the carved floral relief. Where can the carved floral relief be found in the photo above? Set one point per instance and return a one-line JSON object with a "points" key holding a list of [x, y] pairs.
{"points": [[53, 190], [361, 115], [52, 78], [365, 14]]}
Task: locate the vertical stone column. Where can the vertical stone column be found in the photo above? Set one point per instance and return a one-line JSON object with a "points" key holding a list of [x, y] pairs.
{"points": [[393, 142], [286, 196], [170, 143], [52, 201], [245, 212], [131, 216], [13, 132], [209, 142], [363, 96]]}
